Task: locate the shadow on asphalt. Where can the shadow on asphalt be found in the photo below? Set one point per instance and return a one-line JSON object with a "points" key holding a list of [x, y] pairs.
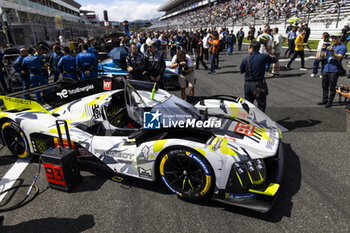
{"points": [[228, 72], [292, 125], [53, 225], [288, 75], [7, 160], [289, 187]]}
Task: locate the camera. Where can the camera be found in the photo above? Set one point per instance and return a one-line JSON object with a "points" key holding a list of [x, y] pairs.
{"points": [[183, 67], [325, 46], [343, 88]]}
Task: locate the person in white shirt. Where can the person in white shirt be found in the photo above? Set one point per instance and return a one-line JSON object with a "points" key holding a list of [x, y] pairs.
{"points": [[206, 47], [183, 62], [278, 40], [324, 41]]}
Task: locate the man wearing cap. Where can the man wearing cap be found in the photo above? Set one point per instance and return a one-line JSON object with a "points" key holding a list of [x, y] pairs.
{"points": [[333, 56], [154, 63]]}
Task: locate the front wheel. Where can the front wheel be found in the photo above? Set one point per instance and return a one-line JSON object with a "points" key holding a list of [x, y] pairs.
{"points": [[14, 139], [187, 174]]}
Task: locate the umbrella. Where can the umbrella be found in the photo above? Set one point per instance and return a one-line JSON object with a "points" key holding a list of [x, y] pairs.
{"points": [[294, 20], [118, 53]]}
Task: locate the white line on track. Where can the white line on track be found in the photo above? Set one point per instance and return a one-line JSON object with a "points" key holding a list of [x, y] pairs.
{"points": [[12, 175]]}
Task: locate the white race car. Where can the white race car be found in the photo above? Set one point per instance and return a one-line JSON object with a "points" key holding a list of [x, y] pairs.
{"points": [[219, 147]]}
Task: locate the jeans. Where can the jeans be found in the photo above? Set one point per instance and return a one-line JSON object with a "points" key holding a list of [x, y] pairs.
{"points": [[249, 95], [316, 65], [217, 60], [38, 80], [212, 62], [298, 53], [291, 48], [329, 82]]}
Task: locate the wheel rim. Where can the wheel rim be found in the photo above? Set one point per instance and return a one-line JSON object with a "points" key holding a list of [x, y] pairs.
{"points": [[14, 141], [185, 175]]}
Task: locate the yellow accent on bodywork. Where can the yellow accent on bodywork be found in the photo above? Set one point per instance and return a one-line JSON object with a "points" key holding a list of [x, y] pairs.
{"points": [[201, 151], [263, 133], [62, 128], [224, 148], [56, 109], [21, 104], [3, 114], [280, 132], [161, 167], [269, 191], [97, 100], [158, 145], [117, 178], [256, 181], [207, 186], [234, 110], [239, 178]]}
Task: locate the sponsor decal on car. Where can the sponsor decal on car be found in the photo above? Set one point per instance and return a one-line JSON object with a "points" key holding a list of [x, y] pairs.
{"points": [[243, 196], [145, 173], [107, 85], [119, 156], [154, 120], [65, 93]]}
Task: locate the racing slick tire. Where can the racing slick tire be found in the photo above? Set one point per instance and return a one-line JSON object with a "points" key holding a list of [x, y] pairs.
{"points": [[187, 174], [15, 139]]}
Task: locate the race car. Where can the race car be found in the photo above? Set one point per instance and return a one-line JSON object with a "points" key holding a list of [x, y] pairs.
{"points": [[219, 147], [170, 77]]}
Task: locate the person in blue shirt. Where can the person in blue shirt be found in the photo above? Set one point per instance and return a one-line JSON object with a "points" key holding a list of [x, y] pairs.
{"points": [[292, 35], [33, 65], [2, 72], [55, 57], [45, 61], [67, 65], [92, 49], [333, 56], [85, 61], [254, 68], [22, 72]]}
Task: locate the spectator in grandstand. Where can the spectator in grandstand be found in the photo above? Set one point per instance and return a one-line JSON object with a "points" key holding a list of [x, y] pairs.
{"points": [[45, 61], [154, 64], [240, 36], [183, 62], [333, 56], [278, 40], [24, 76], [85, 62], [136, 63], [299, 50], [2, 74], [291, 42], [213, 48], [324, 42], [33, 64], [254, 68], [55, 57], [67, 65]]}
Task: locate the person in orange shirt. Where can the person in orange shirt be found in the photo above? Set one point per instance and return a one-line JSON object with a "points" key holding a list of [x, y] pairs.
{"points": [[213, 49]]}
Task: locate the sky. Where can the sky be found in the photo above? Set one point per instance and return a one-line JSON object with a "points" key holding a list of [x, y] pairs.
{"points": [[120, 10]]}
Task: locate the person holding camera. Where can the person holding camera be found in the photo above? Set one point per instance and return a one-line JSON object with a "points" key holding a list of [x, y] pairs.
{"points": [[344, 91], [324, 42], [184, 64], [333, 56], [255, 87]]}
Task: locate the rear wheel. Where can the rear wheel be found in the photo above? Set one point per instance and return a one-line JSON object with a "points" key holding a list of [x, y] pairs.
{"points": [[187, 174], [15, 139]]}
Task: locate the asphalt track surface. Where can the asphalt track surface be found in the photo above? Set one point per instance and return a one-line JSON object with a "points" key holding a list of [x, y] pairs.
{"points": [[314, 196]]}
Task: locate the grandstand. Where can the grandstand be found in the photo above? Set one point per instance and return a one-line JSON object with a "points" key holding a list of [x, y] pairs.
{"points": [[194, 14], [26, 22]]}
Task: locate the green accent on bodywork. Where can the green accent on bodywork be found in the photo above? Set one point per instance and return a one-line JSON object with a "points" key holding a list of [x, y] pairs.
{"points": [[153, 91], [152, 156], [280, 132], [263, 133], [158, 145]]}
